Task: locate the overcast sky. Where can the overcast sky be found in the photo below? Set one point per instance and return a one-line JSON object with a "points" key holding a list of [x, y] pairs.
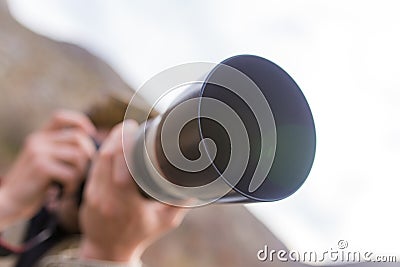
{"points": [[343, 54]]}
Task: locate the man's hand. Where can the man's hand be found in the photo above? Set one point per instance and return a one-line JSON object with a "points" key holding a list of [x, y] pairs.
{"points": [[117, 222], [59, 152]]}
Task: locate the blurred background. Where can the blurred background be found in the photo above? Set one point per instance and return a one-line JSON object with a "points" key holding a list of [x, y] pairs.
{"points": [[343, 54]]}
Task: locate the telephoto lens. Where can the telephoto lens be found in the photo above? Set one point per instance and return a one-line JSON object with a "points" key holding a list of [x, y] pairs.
{"points": [[244, 133]]}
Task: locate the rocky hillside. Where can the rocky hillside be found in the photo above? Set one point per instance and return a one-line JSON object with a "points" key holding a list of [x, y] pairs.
{"points": [[38, 75]]}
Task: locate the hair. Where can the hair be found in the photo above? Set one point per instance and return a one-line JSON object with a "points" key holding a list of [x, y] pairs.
{"points": [[111, 110]]}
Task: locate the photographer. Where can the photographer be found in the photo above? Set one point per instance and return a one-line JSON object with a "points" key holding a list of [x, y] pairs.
{"points": [[116, 222]]}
